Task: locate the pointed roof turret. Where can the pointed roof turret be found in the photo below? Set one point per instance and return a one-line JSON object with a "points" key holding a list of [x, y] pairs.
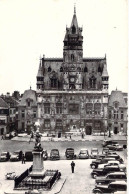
{"points": [[40, 71], [74, 20], [105, 73]]}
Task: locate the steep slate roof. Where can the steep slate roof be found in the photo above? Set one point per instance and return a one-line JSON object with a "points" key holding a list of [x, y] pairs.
{"points": [[3, 104], [117, 96], [10, 101], [28, 94], [40, 71], [74, 20]]}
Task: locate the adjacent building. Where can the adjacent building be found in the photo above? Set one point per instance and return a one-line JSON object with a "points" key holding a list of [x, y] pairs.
{"points": [[27, 111], [4, 114], [118, 112]]}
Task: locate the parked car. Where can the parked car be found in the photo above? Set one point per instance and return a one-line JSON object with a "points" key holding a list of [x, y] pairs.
{"points": [[116, 147], [105, 150], [5, 156], [111, 187], [110, 177], [45, 155], [94, 153], [10, 176], [54, 155], [116, 156], [69, 153], [84, 154], [28, 156], [104, 171], [113, 163], [108, 142], [16, 156], [97, 162]]}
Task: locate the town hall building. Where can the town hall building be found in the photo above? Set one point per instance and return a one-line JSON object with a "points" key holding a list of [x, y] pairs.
{"points": [[72, 92]]}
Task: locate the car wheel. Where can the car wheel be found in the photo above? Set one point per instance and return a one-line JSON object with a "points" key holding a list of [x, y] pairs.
{"points": [[97, 192], [93, 166], [94, 176]]}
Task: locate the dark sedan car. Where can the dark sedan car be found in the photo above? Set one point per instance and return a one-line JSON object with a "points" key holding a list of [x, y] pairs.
{"points": [[54, 155], [104, 171], [111, 187], [110, 177], [116, 147], [5, 156]]}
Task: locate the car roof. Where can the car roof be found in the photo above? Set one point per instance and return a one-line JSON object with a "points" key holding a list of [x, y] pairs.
{"points": [[84, 149], [94, 149], [119, 182], [4, 152], [117, 173]]}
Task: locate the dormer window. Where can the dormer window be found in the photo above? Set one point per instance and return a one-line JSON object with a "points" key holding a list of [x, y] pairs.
{"points": [[73, 29], [61, 69]]}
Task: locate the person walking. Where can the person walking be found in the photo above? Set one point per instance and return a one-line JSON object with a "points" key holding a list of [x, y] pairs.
{"points": [[23, 159], [72, 166], [2, 137]]}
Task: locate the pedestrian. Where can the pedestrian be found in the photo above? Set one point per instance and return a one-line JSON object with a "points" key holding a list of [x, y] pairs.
{"points": [[23, 159], [2, 137], [72, 166], [70, 136]]}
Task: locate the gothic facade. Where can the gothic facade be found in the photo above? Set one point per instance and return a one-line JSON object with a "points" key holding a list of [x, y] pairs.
{"points": [[72, 92]]}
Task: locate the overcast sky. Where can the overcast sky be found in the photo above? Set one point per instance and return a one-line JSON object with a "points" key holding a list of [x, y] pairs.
{"points": [[31, 28]]}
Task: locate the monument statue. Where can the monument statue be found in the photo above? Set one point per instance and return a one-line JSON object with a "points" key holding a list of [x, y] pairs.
{"points": [[38, 142]]}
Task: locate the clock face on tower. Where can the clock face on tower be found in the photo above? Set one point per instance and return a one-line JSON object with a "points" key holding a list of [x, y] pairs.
{"points": [[72, 79]]}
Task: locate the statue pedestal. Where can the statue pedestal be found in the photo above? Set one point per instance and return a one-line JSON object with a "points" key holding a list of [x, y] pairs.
{"points": [[38, 168]]}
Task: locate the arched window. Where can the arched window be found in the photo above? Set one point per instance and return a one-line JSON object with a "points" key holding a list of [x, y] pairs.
{"points": [[92, 82], [99, 69], [72, 57], [54, 82], [73, 29], [85, 69], [49, 69]]}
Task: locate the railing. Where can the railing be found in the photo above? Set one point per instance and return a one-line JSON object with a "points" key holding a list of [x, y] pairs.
{"points": [[19, 179], [46, 181]]}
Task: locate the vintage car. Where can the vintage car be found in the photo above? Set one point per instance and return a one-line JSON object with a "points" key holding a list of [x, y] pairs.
{"points": [[111, 187], [97, 162], [108, 142], [54, 155], [28, 156], [105, 150], [116, 147], [16, 156], [94, 153], [69, 153], [84, 154], [10, 176], [5, 156], [111, 177], [104, 171], [113, 163]]}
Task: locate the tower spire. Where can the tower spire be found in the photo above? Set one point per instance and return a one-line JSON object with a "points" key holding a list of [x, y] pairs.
{"points": [[74, 9]]}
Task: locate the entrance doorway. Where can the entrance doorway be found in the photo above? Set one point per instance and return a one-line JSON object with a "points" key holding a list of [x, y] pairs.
{"points": [[88, 130], [115, 130]]}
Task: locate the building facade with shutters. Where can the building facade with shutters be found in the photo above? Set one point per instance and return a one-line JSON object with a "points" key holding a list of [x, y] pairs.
{"points": [[72, 92]]}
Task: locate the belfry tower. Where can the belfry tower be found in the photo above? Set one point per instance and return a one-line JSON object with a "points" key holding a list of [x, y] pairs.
{"points": [[73, 56]]}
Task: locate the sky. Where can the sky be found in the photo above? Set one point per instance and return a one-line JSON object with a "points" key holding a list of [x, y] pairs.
{"points": [[30, 29]]}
